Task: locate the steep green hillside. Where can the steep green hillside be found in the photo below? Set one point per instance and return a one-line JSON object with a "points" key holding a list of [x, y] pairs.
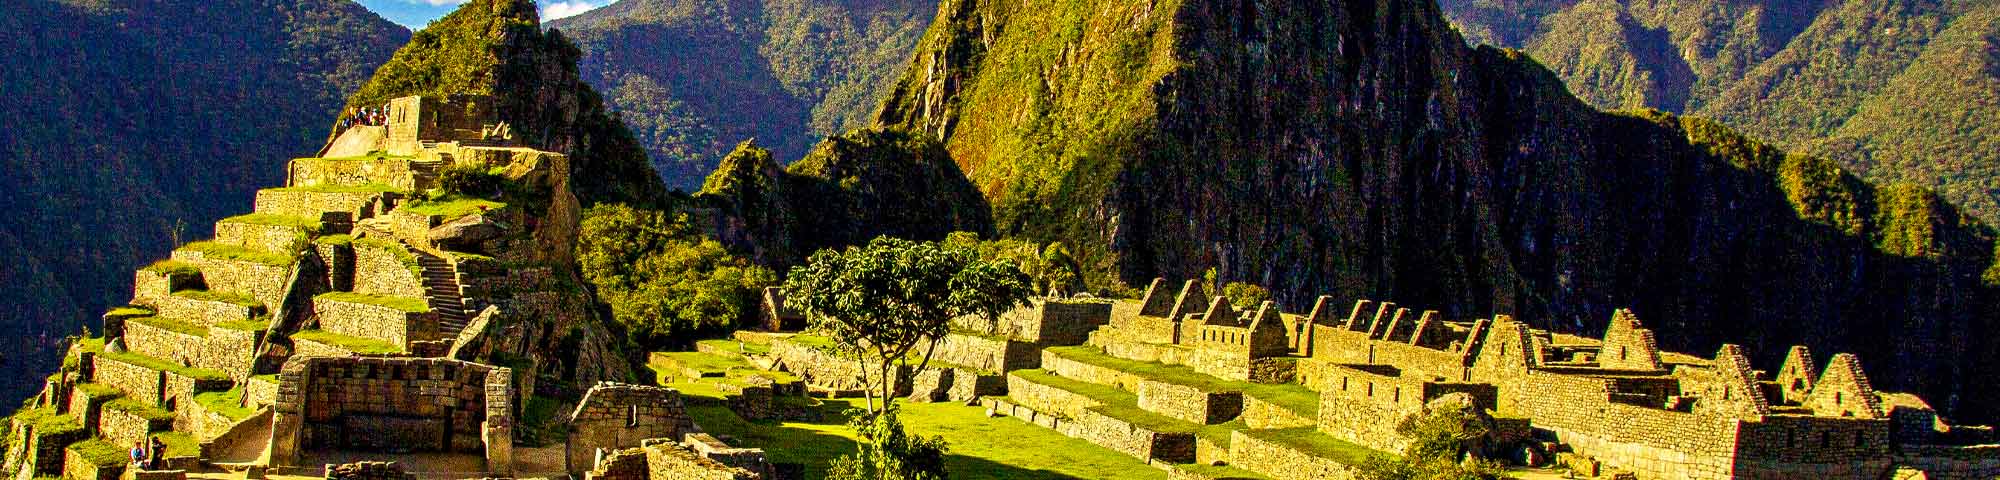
{"points": [[1794, 72], [1938, 122], [122, 119], [1360, 149], [692, 78]]}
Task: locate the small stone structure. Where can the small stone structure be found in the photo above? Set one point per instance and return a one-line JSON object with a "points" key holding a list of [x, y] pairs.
{"points": [[614, 416], [400, 404], [775, 316]]}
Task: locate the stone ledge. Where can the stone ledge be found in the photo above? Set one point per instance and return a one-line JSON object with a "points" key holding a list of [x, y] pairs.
{"points": [[200, 309]]}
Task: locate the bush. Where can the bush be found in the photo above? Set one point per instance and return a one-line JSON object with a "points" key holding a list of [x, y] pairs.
{"points": [[888, 452], [472, 181], [662, 280]]}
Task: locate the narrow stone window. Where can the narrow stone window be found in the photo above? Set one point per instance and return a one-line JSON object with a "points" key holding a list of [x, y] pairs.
{"points": [[632, 416], [1860, 439], [1371, 389], [1343, 384], [1396, 395], [1825, 439], [1839, 398]]}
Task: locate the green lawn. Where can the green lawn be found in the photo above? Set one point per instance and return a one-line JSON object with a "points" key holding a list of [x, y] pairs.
{"points": [[224, 251], [224, 297], [1291, 396], [228, 403], [406, 304], [454, 206], [733, 370], [364, 346], [980, 448]]}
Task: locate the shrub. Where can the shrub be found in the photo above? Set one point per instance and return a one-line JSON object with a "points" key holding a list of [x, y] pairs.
{"points": [[889, 453], [660, 278]]}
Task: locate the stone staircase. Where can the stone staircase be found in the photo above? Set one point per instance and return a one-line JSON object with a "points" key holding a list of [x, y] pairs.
{"points": [[442, 291]]}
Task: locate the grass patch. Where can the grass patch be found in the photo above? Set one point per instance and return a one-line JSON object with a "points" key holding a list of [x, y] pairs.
{"points": [[453, 206], [695, 361], [367, 188], [729, 345], [129, 312], [309, 225], [271, 379], [141, 408], [172, 325], [1220, 472], [981, 448], [1309, 440], [402, 255], [1290, 396], [173, 267], [341, 239], [252, 326], [100, 453], [47, 422], [406, 304], [99, 390], [364, 346], [228, 403], [151, 363], [222, 251], [238, 299], [179, 444], [735, 372]]}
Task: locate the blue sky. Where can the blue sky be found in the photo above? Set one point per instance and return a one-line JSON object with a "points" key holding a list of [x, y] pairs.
{"points": [[416, 13]]}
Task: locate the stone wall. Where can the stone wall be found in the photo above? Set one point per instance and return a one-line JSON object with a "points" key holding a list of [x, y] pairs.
{"points": [[260, 393], [148, 287], [379, 270], [828, 371], [307, 348], [224, 350], [261, 237], [613, 416], [1190, 403], [367, 320], [310, 172], [669, 461], [1952, 462], [137, 382], [78, 467], [1284, 463], [1045, 398], [122, 428], [204, 312], [1122, 347], [1088, 373], [1651, 442], [987, 354], [263, 282], [1127, 438], [623, 464], [301, 203], [368, 471], [382, 404]]}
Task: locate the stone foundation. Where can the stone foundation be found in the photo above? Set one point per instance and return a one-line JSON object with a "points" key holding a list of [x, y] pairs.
{"points": [[1284, 463]]}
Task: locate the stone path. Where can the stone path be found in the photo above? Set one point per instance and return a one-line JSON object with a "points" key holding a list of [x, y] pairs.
{"points": [[441, 290]]}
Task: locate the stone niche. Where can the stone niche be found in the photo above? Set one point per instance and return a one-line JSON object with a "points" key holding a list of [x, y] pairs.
{"points": [[392, 404], [615, 416]]}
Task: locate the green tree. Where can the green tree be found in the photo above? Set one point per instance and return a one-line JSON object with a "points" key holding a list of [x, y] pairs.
{"points": [[889, 453], [880, 302], [661, 279], [1246, 295]]}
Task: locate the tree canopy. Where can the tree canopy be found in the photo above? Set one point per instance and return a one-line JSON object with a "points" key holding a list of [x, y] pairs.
{"points": [[879, 302], [661, 279]]}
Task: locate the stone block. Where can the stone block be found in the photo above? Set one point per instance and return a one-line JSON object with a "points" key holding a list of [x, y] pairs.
{"points": [[1189, 403]]}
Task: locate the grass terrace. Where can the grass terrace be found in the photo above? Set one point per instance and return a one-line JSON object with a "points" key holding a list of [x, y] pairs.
{"points": [[172, 325], [1310, 440], [1290, 396], [368, 188], [173, 267], [1220, 472], [224, 297], [731, 345], [223, 251], [670, 367], [453, 206], [252, 326], [179, 444], [406, 304], [47, 422], [100, 453], [151, 363], [1124, 406], [143, 409], [129, 311], [228, 403], [364, 346], [402, 255], [99, 390], [307, 224]]}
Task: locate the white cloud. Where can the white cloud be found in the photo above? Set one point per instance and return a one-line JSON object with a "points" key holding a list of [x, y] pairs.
{"points": [[561, 9]]}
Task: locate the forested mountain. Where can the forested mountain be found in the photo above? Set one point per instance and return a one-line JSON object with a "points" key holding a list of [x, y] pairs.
{"points": [[124, 121], [1361, 149], [693, 78], [1901, 90]]}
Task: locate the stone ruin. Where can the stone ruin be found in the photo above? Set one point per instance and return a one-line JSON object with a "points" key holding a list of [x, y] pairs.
{"points": [[319, 325]]}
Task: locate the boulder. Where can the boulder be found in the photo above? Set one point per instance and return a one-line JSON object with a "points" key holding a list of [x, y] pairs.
{"points": [[469, 230]]}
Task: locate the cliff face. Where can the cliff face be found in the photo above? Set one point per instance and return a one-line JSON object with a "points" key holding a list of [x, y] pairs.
{"points": [[123, 119], [694, 77], [1359, 149]]}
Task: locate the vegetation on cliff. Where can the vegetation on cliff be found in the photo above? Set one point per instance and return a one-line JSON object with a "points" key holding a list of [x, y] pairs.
{"points": [[693, 78]]}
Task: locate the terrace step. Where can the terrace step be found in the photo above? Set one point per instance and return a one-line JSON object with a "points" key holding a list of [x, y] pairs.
{"points": [[442, 291]]}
